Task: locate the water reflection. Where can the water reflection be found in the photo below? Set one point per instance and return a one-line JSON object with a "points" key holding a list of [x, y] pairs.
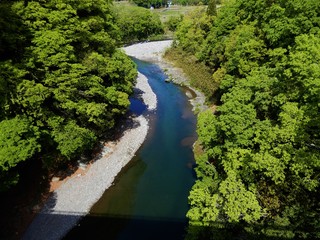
{"points": [[119, 199]]}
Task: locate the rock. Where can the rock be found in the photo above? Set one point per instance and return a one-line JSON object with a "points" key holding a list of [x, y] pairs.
{"points": [[55, 179], [189, 94], [82, 165], [83, 168]]}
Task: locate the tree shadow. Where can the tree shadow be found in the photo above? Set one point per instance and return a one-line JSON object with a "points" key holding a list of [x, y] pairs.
{"points": [[54, 225], [21, 203], [138, 227], [241, 232], [125, 227], [50, 224]]}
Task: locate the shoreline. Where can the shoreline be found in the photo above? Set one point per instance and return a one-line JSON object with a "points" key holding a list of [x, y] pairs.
{"points": [[75, 197], [150, 52]]}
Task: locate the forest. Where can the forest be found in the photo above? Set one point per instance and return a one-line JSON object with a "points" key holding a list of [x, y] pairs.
{"points": [[168, 3], [63, 81], [64, 84], [258, 150]]}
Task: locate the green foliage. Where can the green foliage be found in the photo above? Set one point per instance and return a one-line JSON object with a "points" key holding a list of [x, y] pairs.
{"points": [[198, 73], [259, 170], [62, 71], [212, 8], [203, 202], [189, 37], [192, 30], [19, 140], [13, 35], [71, 138], [151, 3], [173, 22], [190, 2], [136, 23]]}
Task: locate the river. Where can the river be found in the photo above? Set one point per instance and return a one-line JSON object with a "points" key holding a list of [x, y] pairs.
{"points": [[149, 198]]}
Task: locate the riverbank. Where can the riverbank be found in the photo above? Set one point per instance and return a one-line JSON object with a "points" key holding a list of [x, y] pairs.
{"points": [[153, 52], [74, 198], [150, 197]]}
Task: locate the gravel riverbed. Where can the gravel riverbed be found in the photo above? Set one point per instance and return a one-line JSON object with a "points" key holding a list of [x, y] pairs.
{"points": [[153, 52], [74, 198]]}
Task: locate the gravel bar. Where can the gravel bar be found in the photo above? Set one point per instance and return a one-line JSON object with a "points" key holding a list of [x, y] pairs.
{"points": [[74, 199], [148, 51], [152, 52]]}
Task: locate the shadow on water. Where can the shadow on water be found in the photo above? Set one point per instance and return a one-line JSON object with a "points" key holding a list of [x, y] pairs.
{"points": [[107, 227], [117, 200], [137, 106]]}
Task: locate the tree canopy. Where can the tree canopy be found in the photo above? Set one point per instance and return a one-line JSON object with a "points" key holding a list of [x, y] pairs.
{"points": [[63, 80], [151, 3], [136, 23], [259, 169]]}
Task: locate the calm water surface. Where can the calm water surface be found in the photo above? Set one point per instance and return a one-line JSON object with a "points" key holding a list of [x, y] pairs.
{"points": [[149, 198]]}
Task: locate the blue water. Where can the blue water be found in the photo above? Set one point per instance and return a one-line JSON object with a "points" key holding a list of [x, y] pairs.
{"points": [[149, 198]]}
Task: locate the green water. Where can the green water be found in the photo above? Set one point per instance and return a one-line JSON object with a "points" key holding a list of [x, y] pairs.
{"points": [[149, 198]]}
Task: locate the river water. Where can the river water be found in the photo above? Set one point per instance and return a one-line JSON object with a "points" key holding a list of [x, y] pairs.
{"points": [[149, 198]]}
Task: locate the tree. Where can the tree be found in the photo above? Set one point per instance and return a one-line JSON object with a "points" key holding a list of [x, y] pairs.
{"points": [[136, 23], [62, 74], [19, 140], [191, 32], [259, 170], [212, 8], [151, 3], [173, 22], [76, 71]]}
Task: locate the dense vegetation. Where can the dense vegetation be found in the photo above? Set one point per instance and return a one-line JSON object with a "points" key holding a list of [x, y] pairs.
{"points": [[151, 3], [136, 23], [63, 82], [189, 38], [259, 167], [165, 3], [194, 2]]}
